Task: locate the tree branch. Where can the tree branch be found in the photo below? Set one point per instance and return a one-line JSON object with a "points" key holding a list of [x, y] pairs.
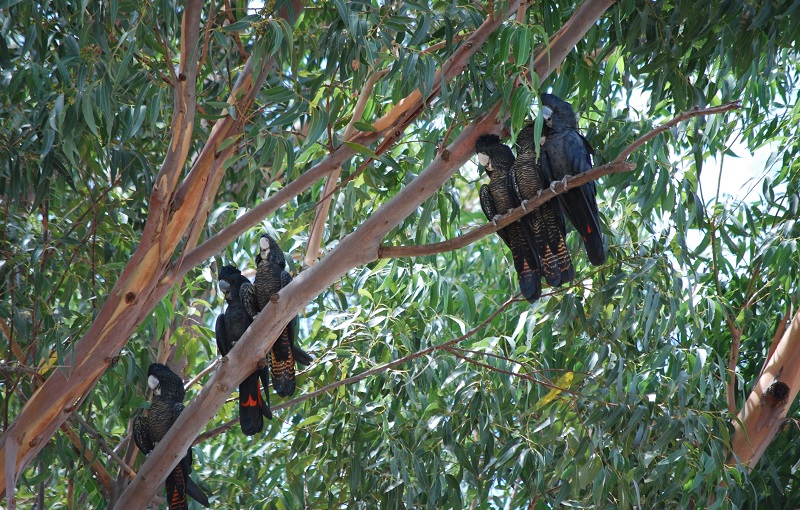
{"points": [[618, 165], [143, 281], [694, 112], [455, 65], [104, 446], [779, 331], [736, 338], [760, 419], [520, 375], [504, 220], [321, 215], [20, 369], [101, 474]]}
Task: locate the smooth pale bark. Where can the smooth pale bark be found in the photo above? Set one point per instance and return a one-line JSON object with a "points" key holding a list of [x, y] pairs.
{"points": [[762, 416]]}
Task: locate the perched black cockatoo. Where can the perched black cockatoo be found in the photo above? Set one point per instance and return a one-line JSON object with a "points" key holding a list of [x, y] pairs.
{"points": [[544, 225], [496, 198], [271, 277], [566, 152], [148, 430], [230, 327]]}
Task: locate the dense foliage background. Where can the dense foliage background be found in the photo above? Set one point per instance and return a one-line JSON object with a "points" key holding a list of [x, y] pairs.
{"points": [[607, 393]]}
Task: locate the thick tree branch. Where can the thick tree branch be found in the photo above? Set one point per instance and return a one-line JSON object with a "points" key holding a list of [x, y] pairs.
{"points": [[144, 281], [779, 331], [765, 410]]}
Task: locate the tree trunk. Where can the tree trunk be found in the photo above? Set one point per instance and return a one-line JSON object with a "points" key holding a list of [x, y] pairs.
{"points": [[765, 410]]}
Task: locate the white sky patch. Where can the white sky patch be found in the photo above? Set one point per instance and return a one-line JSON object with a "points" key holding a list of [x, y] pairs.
{"points": [[732, 181], [739, 179]]}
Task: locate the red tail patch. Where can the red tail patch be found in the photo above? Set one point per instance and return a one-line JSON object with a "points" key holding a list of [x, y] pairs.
{"points": [[252, 403]]}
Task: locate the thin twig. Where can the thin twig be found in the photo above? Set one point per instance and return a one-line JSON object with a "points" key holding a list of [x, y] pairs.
{"points": [[694, 112], [9, 369], [211, 366], [323, 206], [516, 362], [736, 340], [101, 474], [520, 375], [103, 445]]}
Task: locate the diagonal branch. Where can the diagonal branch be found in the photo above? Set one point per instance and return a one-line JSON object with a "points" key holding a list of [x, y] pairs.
{"points": [[145, 280], [321, 215], [618, 165], [454, 66], [100, 472], [733, 357], [694, 112], [104, 446]]}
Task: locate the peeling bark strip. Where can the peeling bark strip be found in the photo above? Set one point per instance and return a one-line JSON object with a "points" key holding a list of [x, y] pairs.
{"points": [[765, 410]]}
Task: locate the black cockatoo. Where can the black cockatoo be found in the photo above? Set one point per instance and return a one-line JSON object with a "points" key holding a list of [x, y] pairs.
{"points": [[271, 277], [496, 198], [148, 430], [566, 152], [230, 327], [545, 225]]}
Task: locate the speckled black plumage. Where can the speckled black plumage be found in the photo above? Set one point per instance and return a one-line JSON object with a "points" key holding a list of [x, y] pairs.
{"points": [[167, 405], [544, 226], [271, 277], [496, 198]]}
